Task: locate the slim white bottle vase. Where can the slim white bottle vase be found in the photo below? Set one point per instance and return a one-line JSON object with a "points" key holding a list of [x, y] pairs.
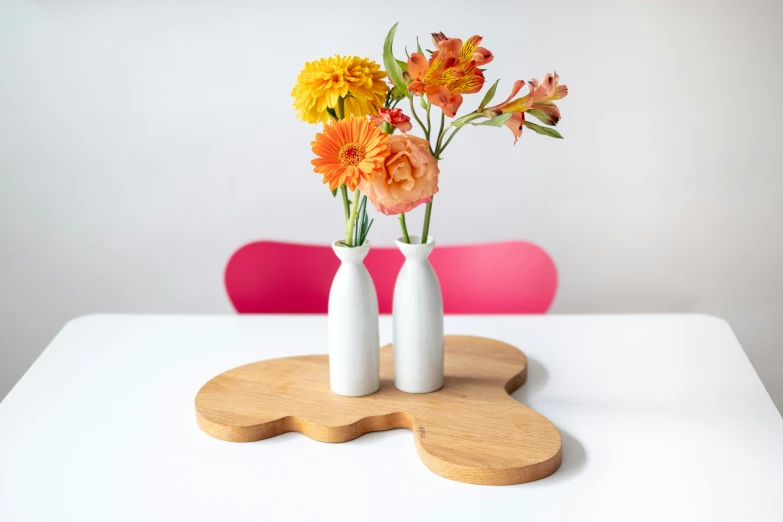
{"points": [[417, 319], [354, 343]]}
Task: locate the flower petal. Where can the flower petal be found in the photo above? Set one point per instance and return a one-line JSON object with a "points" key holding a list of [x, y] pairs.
{"points": [[448, 102], [417, 66]]}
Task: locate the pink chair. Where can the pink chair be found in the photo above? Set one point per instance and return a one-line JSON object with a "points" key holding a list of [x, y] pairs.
{"points": [[512, 277]]}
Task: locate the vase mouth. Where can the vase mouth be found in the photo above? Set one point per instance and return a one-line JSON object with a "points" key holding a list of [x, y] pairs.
{"points": [[415, 250], [351, 253], [340, 243], [415, 241]]}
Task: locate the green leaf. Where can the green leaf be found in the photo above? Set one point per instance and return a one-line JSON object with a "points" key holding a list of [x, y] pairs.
{"points": [[464, 120], [392, 67], [331, 112], [541, 116], [366, 230], [418, 47], [403, 65], [488, 97], [334, 193], [423, 102], [540, 129], [497, 121], [363, 223]]}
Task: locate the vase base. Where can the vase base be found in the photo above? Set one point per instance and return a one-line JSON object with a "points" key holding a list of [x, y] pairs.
{"points": [[418, 390], [345, 393]]}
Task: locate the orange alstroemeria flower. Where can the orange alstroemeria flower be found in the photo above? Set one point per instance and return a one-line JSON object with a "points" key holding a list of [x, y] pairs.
{"points": [[538, 102], [452, 70]]}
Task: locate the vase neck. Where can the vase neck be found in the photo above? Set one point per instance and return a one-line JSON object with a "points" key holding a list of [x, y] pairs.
{"points": [[415, 251], [348, 254]]}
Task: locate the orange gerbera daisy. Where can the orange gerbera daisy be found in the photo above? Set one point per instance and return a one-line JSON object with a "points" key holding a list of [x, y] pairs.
{"points": [[348, 151]]}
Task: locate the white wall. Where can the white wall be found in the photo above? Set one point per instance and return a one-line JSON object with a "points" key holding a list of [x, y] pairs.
{"points": [[142, 142]]}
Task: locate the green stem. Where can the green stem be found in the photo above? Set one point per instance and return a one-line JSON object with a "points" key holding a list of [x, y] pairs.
{"points": [[388, 128], [426, 229], [429, 125], [404, 229], [416, 117], [449, 139], [467, 118], [346, 209], [440, 136], [352, 219], [440, 146], [428, 211], [349, 219]]}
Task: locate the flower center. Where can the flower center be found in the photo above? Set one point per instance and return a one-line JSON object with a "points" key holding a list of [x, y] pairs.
{"points": [[351, 154]]}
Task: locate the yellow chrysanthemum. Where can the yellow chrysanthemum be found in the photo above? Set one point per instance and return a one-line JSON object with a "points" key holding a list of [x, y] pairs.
{"points": [[321, 84]]}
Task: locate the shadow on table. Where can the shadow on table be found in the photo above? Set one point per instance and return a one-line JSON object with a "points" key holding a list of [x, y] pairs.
{"points": [[574, 454]]}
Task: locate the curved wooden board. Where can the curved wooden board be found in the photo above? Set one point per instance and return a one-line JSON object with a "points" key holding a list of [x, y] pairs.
{"points": [[470, 430]]}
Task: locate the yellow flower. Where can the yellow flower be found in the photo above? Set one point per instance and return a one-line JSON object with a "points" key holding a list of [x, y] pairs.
{"points": [[321, 84]]}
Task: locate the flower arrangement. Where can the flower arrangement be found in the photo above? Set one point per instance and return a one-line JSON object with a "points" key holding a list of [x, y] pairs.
{"points": [[358, 150]]}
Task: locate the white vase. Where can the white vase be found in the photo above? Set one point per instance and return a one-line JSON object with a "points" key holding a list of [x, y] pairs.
{"points": [[354, 343], [417, 319]]}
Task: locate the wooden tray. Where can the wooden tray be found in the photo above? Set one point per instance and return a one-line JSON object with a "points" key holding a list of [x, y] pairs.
{"points": [[470, 430]]}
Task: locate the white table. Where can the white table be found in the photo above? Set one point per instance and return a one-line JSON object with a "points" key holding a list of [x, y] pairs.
{"points": [[662, 417]]}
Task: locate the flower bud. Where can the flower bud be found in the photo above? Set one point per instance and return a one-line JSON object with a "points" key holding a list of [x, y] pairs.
{"points": [[491, 113]]}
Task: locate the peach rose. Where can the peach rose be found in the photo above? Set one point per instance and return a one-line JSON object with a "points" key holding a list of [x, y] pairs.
{"points": [[408, 177]]}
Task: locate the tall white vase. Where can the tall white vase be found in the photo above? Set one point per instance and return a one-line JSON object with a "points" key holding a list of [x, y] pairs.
{"points": [[354, 343], [417, 321]]}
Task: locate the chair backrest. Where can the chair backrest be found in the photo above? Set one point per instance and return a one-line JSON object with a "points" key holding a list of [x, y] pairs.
{"points": [[492, 278]]}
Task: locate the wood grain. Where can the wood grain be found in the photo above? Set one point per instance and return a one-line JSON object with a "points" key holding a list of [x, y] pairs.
{"points": [[471, 430]]}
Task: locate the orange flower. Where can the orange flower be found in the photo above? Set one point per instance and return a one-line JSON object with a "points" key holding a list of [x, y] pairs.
{"points": [[394, 117], [540, 93], [349, 150], [452, 70], [538, 102], [517, 119], [406, 179]]}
